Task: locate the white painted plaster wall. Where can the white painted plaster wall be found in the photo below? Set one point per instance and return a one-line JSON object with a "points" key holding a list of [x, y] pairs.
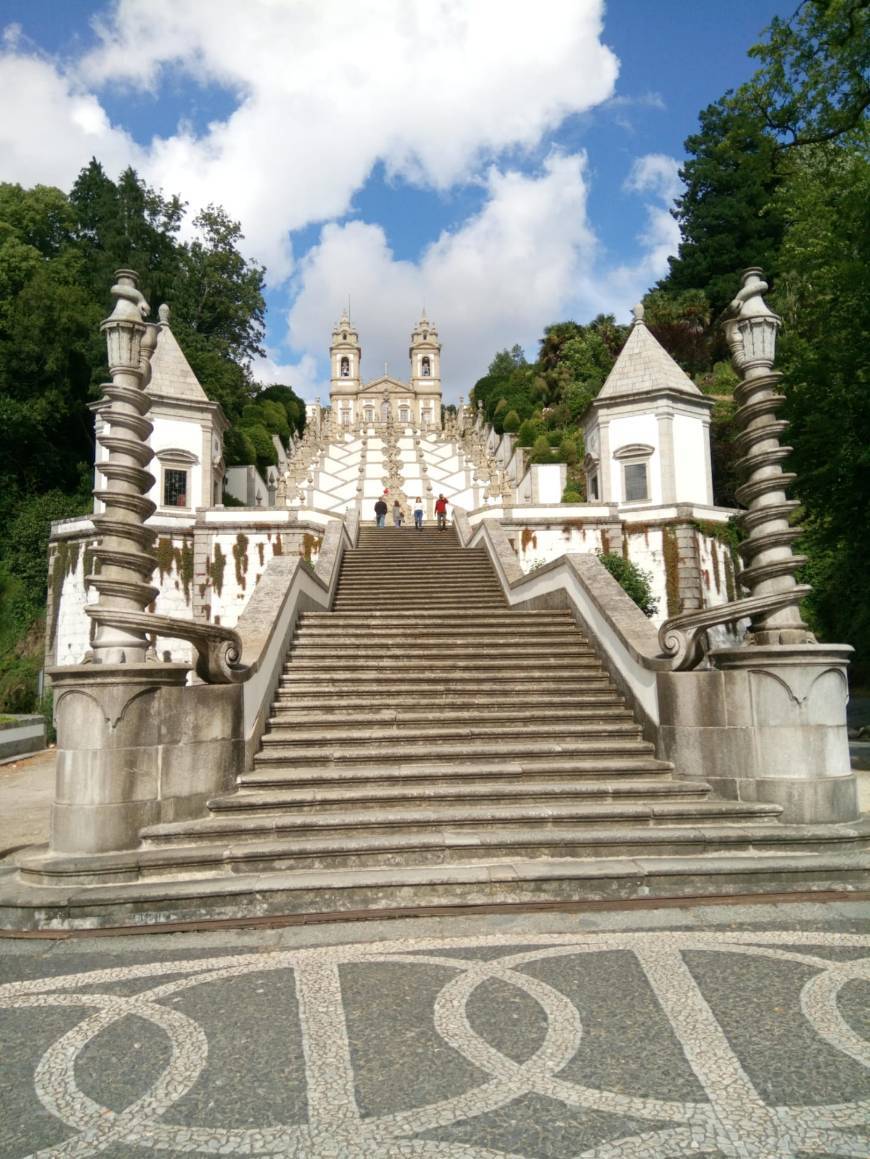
{"points": [[625, 432], [177, 434], [690, 460]]}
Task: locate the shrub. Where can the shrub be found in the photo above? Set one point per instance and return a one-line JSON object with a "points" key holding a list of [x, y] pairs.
{"points": [[511, 422], [568, 451], [528, 431], [540, 450], [634, 581], [571, 495]]}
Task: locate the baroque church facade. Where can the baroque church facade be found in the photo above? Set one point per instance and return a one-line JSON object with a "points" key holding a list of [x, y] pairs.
{"points": [[414, 403]]}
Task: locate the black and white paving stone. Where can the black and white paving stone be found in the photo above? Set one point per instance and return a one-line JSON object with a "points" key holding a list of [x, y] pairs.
{"points": [[735, 1032]]}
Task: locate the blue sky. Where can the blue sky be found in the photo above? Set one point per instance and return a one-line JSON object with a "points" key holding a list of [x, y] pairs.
{"points": [[508, 164]]}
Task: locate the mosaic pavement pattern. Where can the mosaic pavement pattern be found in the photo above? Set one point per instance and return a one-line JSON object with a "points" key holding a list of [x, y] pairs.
{"points": [[597, 1045]]}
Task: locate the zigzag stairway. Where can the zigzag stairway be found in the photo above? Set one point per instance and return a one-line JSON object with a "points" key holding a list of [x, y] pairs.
{"points": [[429, 746]]}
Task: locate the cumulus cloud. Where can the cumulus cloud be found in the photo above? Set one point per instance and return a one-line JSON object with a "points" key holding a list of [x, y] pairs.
{"points": [[496, 280], [324, 92], [656, 176], [528, 258], [52, 126]]}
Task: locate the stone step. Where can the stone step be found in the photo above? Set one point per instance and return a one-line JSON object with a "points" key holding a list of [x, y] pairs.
{"points": [[505, 651], [400, 620], [341, 715], [470, 686], [277, 773], [251, 802], [480, 665], [408, 822], [435, 605], [356, 631], [419, 584], [517, 747], [210, 881], [559, 731], [405, 700]]}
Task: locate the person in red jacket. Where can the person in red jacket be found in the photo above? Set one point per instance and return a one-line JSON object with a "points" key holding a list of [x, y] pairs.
{"points": [[441, 512]]}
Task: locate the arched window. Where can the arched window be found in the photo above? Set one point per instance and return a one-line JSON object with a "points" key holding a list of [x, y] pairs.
{"points": [[345, 368], [427, 367]]}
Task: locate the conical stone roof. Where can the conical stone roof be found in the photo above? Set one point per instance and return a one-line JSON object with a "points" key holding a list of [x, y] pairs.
{"points": [[171, 373], [644, 367]]}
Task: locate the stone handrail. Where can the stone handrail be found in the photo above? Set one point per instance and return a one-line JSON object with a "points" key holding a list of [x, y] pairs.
{"points": [[218, 650], [287, 587], [627, 639], [683, 640]]}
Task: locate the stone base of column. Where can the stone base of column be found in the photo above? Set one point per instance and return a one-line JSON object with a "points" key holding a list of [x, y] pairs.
{"points": [[766, 724], [136, 747]]}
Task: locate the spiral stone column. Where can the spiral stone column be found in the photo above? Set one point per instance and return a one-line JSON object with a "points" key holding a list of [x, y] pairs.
{"points": [[136, 745], [122, 577], [769, 562], [772, 713]]}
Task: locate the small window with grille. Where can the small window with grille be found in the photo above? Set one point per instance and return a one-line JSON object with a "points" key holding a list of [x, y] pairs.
{"points": [[636, 488], [174, 487]]}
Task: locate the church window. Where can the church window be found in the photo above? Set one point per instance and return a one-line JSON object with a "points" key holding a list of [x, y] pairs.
{"points": [[636, 486], [404, 414], [345, 368], [593, 487], [344, 336], [369, 414], [174, 487], [427, 368], [345, 417]]}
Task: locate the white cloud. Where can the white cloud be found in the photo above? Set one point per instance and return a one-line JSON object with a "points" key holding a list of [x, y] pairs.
{"points": [[525, 259], [655, 173], [326, 90], [657, 176], [51, 127]]}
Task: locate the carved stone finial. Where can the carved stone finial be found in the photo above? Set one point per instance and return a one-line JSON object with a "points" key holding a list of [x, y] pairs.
{"points": [[163, 314], [637, 313]]}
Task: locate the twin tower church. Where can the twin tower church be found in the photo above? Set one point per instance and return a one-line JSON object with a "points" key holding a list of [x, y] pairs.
{"points": [[353, 401]]}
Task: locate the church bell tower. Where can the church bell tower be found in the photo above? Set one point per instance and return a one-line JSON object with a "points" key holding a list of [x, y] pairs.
{"points": [[345, 354], [425, 355]]}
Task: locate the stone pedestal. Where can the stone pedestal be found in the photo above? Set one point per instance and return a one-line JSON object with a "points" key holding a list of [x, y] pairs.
{"points": [[136, 747], [766, 724]]}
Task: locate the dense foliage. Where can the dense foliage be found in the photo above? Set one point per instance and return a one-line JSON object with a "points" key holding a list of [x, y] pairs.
{"points": [[58, 253], [778, 176]]}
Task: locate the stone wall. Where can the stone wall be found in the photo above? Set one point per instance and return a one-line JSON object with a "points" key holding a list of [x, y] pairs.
{"points": [[205, 571], [686, 550]]}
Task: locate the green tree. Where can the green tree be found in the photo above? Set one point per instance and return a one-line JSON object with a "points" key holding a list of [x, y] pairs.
{"points": [[511, 422]]}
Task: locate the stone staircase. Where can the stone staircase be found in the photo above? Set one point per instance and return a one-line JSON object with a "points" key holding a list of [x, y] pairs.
{"points": [[422, 722], [430, 747]]}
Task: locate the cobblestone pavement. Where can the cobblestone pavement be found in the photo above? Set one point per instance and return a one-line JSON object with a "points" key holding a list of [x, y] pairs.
{"points": [[738, 1031]]}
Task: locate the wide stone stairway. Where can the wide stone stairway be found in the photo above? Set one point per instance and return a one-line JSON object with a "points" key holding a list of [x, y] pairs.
{"points": [[428, 745]]}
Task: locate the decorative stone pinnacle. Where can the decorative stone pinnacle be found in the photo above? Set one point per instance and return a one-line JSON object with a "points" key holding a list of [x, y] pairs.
{"points": [[163, 314], [637, 313], [751, 326]]}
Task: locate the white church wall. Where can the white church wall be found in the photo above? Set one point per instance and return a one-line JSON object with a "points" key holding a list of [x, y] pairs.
{"points": [[690, 459], [176, 434], [629, 430]]}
